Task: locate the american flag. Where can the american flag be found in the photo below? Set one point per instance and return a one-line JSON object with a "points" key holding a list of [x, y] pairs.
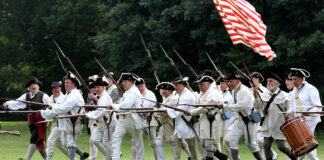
{"points": [[244, 25]]}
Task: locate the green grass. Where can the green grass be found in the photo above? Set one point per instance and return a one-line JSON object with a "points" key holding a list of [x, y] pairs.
{"points": [[14, 147]]}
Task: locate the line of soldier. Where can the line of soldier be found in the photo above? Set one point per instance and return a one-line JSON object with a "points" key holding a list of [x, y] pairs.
{"points": [[201, 125]]}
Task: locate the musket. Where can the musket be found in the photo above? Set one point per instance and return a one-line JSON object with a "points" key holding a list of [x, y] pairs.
{"points": [[149, 111], [73, 68], [71, 116], [171, 61], [63, 67], [17, 112], [246, 76], [200, 105], [167, 106], [27, 102], [16, 133], [112, 78], [306, 112], [151, 59], [190, 68], [125, 109], [217, 70], [46, 121]]}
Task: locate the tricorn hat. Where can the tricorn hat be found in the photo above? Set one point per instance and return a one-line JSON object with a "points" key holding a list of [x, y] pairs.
{"points": [[101, 81], [109, 75], [257, 75], [92, 79], [299, 72], [139, 81], [181, 80], [219, 80], [32, 81], [128, 76], [165, 85], [275, 76], [73, 78], [56, 84], [208, 73], [204, 78], [233, 76]]}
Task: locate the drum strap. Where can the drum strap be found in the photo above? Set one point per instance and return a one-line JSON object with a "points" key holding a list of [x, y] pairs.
{"points": [[298, 103], [267, 106]]}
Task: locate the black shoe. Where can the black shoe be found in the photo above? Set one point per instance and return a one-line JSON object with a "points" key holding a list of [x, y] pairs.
{"points": [[189, 158], [84, 156], [220, 155], [209, 158]]}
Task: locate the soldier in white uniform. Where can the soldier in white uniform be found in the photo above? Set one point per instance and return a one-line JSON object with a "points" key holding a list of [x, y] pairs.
{"points": [[151, 121], [105, 120], [305, 97], [207, 116], [257, 78], [37, 130], [130, 122], [166, 130], [275, 101], [228, 126], [55, 137], [93, 148], [184, 127], [243, 104], [71, 106]]}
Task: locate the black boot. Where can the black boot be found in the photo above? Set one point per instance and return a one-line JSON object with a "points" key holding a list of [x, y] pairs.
{"points": [[257, 155], [234, 154], [85, 155], [209, 158], [189, 158], [220, 155]]}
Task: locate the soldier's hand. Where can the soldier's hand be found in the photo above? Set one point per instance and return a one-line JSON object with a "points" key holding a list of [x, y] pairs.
{"points": [[109, 107], [92, 96], [83, 116], [38, 112], [187, 113], [5, 105], [287, 115], [220, 106], [49, 107]]}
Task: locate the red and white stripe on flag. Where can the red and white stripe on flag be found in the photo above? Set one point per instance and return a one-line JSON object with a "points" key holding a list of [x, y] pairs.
{"points": [[244, 25]]}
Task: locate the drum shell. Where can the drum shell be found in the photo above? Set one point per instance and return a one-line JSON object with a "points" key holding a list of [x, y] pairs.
{"points": [[298, 136]]}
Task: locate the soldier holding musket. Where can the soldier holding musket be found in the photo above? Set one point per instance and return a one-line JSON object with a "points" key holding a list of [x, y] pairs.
{"points": [[275, 101], [37, 130], [71, 106], [207, 117]]}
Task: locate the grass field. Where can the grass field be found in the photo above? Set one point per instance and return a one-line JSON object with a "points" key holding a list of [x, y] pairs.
{"points": [[14, 147]]}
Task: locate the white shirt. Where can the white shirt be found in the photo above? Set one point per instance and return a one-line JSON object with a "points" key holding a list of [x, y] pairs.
{"points": [[71, 103], [244, 101], [182, 130], [104, 100], [309, 97], [15, 105]]}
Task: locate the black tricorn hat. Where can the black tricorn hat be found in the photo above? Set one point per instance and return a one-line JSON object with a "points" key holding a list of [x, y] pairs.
{"points": [[219, 80], [275, 76], [32, 81], [92, 79], [139, 81], [128, 76], [73, 78], [101, 81], [56, 84], [257, 75], [181, 80], [204, 78], [299, 72], [165, 85], [110, 75], [233, 76], [208, 73]]}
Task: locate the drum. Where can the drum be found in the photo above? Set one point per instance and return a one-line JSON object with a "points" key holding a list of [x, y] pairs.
{"points": [[298, 136]]}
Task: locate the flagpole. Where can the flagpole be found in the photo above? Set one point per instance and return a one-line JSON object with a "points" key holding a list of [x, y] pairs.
{"points": [[247, 70]]}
